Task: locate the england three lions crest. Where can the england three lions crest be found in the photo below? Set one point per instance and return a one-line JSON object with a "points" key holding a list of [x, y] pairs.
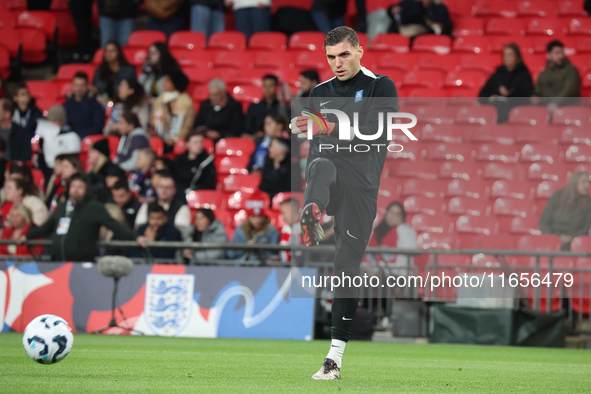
{"points": [[168, 303]]}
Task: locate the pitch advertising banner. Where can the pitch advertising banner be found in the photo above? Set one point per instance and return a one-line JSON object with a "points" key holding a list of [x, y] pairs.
{"points": [[163, 300]]}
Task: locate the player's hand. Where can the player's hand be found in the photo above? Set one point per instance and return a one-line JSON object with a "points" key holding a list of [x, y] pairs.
{"points": [[299, 127]]}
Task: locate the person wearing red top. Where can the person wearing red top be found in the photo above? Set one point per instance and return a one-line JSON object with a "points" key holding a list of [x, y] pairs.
{"points": [[19, 224], [393, 231]]}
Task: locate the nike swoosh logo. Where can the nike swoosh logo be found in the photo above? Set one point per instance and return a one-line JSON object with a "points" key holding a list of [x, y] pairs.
{"points": [[349, 234], [344, 318], [333, 346], [324, 103]]}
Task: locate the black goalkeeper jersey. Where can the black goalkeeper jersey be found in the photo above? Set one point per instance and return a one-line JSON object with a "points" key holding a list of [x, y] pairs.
{"points": [[366, 94]]}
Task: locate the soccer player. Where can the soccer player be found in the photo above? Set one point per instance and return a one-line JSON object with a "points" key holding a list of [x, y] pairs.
{"points": [[343, 182]]}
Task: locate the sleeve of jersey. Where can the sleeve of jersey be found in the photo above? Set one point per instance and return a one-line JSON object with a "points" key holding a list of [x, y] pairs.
{"points": [[384, 100]]}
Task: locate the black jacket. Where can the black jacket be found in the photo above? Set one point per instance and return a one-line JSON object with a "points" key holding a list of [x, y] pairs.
{"points": [[168, 233], [276, 179], [28, 119], [255, 116], [519, 80], [413, 12], [97, 180], [213, 4], [119, 9], [228, 121], [189, 174], [19, 144], [334, 8]]}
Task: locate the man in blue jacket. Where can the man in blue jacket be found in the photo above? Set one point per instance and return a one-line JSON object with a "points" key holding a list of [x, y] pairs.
{"points": [[86, 116], [18, 140]]}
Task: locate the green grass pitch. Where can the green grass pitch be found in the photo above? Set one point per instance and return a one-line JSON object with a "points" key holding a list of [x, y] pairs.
{"points": [[123, 364]]}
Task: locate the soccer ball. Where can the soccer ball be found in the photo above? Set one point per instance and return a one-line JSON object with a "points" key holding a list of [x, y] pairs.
{"points": [[48, 339]]}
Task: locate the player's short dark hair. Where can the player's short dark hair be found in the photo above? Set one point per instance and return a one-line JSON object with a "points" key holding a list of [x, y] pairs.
{"points": [[8, 106], [554, 44], [341, 34], [312, 75], [273, 77], [120, 184], [154, 207], [81, 75]]}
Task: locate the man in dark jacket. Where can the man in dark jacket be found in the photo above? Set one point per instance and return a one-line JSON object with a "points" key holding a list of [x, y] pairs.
{"points": [[17, 139], [194, 169], [220, 115], [75, 225], [159, 228], [86, 116], [254, 123], [414, 17], [277, 170], [25, 113], [125, 200]]}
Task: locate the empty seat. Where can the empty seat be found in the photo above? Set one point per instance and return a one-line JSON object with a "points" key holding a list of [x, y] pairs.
{"points": [[234, 147], [33, 43], [42, 90], [44, 21], [230, 40], [579, 26], [441, 133], [512, 207], [489, 134], [232, 164], [468, 26], [474, 44], [540, 152], [575, 135], [212, 199], [7, 21], [422, 204], [465, 80], [449, 151], [468, 206], [191, 40], [11, 40], [492, 241], [432, 43], [390, 42], [423, 187], [477, 225], [425, 79], [420, 169], [476, 189], [247, 94], [525, 225], [572, 116], [487, 8], [310, 60], [544, 242], [432, 224], [437, 241], [546, 189], [144, 38], [135, 56], [570, 8], [270, 40], [578, 154], [393, 60], [483, 115], [66, 72], [233, 59], [239, 182], [443, 63], [497, 152], [504, 26], [308, 40], [512, 189], [546, 171], [435, 115], [458, 170], [529, 114], [540, 8], [544, 26], [412, 151], [479, 62], [527, 134]]}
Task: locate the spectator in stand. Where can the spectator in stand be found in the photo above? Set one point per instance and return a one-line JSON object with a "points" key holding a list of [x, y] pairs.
{"points": [[559, 82], [194, 169], [159, 228], [107, 235], [252, 16], [19, 224], [220, 116], [207, 16], [277, 169], [23, 173], [26, 113], [125, 200], [275, 127], [114, 175], [255, 116], [82, 15], [290, 234], [158, 63], [328, 14], [205, 230], [17, 139], [140, 179], [415, 17], [85, 114], [256, 229], [166, 16], [568, 212], [3, 162], [173, 113], [99, 163], [510, 82], [117, 19], [69, 166], [178, 213], [20, 192], [113, 69], [130, 97], [308, 79], [133, 139], [75, 225], [393, 231]]}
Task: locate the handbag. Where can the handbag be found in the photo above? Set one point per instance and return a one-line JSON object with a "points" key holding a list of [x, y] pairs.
{"points": [[162, 9]]}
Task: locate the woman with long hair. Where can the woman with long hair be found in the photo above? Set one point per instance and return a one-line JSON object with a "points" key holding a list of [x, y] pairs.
{"points": [[207, 230], [18, 224], [568, 212], [130, 97], [159, 62], [20, 192], [113, 69], [23, 172], [393, 231]]}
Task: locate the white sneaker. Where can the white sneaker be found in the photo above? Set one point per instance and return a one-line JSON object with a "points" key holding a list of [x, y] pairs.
{"points": [[329, 371]]}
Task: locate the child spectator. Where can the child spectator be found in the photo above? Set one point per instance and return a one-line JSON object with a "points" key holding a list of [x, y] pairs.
{"points": [[130, 97], [277, 170], [139, 180], [19, 224], [256, 229], [194, 169], [275, 126], [159, 228], [26, 113], [133, 139], [205, 230]]}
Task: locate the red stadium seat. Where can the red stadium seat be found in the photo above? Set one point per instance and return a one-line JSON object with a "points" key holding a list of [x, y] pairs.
{"points": [[38, 178], [423, 79], [437, 241], [423, 187], [544, 242], [280, 197], [310, 60], [579, 26], [67, 35], [420, 169], [270, 41], [573, 116], [578, 154], [200, 76], [512, 207], [540, 152], [426, 205], [465, 80], [547, 171], [543, 26], [157, 146], [432, 224], [7, 21], [241, 199], [198, 93], [489, 134], [474, 44], [482, 62], [421, 93], [247, 94], [485, 225], [231, 164], [14, 5], [499, 170], [571, 8], [44, 21], [433, 61], [435, 115], [492, 241], [468, 206], [546, 189], [458, 170], [497, 152], [230, 40], [135, 56], [190, 40], [212, 199], [449, 152], [11, 40], [529, 114], [504, 26], [407, 62], [575, 135], [234, 183], [525, 225], [266, 59], [441, 133], [440, 45], [483, 115], [511, 188], [187, 57], [307, 40], [144, 38], [539, 8], [42, 90], [66, 72], [233, 59], [390, 42], [33, 44], [468, 26], [476, 189], [527, 134], [234, 147], [486, 8]]}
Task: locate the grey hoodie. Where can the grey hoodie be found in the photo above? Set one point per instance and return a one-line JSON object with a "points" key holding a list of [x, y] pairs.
{"points": [[129, 147], [215, 233]]}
